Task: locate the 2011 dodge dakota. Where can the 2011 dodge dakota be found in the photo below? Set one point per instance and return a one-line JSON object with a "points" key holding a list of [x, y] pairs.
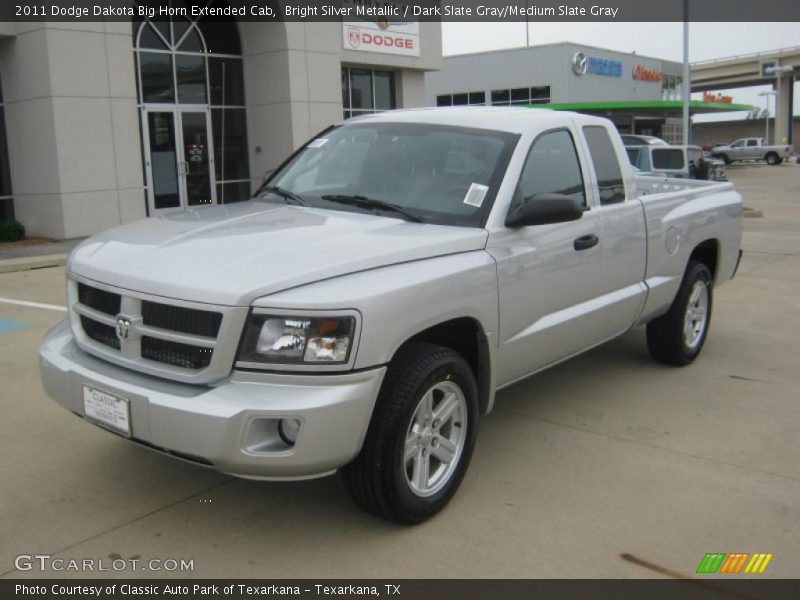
{"points": [[360, 312]]}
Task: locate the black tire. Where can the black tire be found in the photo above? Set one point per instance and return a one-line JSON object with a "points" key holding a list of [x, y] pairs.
{"points": [[725, 158], [666, 338], [773, 159], [377, 479]]}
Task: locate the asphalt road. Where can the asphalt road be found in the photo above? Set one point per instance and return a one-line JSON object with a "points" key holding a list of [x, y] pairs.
{"points": [[610, 465]]}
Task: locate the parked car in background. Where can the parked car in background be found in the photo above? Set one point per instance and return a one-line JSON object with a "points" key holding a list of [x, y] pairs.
{"points": [[642, 140], [752, 149], [677, 161]]}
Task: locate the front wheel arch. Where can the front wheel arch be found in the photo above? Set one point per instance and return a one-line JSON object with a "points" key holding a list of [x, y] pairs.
{"points": [[467, 337]]}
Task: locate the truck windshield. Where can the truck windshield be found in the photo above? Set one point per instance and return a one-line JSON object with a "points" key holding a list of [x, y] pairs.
{"points": [[433, 173]]}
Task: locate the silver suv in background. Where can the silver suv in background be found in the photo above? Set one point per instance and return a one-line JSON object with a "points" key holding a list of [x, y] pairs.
{"points": [[676, 161], [629, 139]]}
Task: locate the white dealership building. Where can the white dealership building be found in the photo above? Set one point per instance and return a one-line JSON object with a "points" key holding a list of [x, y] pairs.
{"points": [[640, 94], [102, 123]]}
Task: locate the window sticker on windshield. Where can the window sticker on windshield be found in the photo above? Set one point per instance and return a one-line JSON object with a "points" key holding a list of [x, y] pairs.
{"points": [[317, 143], [475, 194]]}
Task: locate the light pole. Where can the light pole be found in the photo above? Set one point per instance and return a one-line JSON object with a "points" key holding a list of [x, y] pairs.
{"points": [[766, 95], [527, 32], [686, 83]]}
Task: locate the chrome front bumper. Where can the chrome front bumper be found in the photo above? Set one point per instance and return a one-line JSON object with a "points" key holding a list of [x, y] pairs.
{"points": [[231, 425]]}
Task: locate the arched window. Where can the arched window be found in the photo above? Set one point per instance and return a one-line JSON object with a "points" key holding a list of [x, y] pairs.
{"points": [[190, 86]]}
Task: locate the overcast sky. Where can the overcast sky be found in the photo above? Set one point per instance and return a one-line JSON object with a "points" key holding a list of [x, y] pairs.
{"points": [[660, 40]]}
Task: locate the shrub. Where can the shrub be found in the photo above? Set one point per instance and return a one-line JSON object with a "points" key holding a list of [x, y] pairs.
{"points": [[11, 230]]}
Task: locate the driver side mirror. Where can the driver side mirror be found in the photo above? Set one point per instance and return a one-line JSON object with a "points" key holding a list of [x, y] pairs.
{"points": [[543, 209]]}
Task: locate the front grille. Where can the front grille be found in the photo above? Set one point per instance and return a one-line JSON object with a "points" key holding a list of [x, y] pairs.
{"points": [[151, 332], [174, 353], [100, 333], [105, 302], [178, 318]]}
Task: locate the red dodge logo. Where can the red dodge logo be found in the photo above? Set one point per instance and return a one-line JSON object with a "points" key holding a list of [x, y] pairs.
{"points": [[354, 35]]}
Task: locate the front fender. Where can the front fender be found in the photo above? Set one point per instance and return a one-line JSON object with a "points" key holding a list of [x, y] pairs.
{"points": [[398, 301]]}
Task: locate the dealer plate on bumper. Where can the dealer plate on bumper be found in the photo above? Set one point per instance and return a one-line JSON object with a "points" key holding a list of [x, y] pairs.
{"points": [[107, 410]]}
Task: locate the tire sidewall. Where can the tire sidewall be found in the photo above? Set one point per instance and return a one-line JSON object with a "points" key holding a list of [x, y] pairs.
{"points": [[697, 272], [415, 507]]}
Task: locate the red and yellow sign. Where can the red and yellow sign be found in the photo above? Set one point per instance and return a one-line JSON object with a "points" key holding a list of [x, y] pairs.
{"points": [[642, 73], [721, 98]]}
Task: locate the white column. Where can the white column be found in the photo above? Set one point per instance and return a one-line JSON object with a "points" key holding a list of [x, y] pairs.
{"points": [[783, 108], [73, 130]]}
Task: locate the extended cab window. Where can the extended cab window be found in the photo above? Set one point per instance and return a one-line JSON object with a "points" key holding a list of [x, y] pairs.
{"points": [[552, 167], [606, 165], [752, 142]]}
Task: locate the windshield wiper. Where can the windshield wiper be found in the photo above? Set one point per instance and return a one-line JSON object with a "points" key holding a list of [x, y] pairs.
{"points": [[366, 202], [289, 197]]}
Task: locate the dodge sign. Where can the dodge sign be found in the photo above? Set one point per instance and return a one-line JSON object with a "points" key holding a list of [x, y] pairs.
{"points": [[388, 37]]}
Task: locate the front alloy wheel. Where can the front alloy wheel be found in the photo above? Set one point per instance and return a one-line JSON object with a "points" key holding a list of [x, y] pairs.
{"points": [[435, 439], [420, 438]]}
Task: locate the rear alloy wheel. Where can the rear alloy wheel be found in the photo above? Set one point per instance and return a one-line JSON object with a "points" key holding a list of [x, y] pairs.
{"points": [[773, 159], [421, 436], [677, 337]]}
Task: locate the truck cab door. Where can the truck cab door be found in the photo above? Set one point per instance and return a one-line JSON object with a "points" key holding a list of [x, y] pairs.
{"points": [[551, 281], [752, 149], [621, 293], [737, 150]]}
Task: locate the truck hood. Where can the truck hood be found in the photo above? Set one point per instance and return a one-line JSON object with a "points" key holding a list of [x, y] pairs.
{"points": [[232, 254]]}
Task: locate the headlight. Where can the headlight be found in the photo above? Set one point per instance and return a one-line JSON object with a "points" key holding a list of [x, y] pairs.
{"points": [[297, 340]]}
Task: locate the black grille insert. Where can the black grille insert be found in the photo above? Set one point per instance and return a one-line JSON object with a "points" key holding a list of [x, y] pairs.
{"points": [[99, 332], [174, 353], [184, 320], [105, 302]]}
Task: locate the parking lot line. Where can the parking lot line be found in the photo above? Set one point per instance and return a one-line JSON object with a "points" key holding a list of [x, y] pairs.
{"points": [[34, 304]]}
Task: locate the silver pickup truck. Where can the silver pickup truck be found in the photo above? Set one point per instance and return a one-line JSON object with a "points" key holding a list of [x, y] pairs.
{"points": [[362, 310], [752, 149]]}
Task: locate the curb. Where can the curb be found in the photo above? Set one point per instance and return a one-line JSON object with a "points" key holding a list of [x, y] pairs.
{"points": [[10, 265]]}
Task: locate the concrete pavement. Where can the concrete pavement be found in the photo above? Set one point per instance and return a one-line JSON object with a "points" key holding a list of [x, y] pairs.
{"points": [[608, 456]]}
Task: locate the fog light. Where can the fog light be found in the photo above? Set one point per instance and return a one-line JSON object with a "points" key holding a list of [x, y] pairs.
{"points": [[288, 430]]}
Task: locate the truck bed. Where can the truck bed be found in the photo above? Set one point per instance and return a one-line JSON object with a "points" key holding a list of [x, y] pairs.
{"points": [[680, 214]]}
